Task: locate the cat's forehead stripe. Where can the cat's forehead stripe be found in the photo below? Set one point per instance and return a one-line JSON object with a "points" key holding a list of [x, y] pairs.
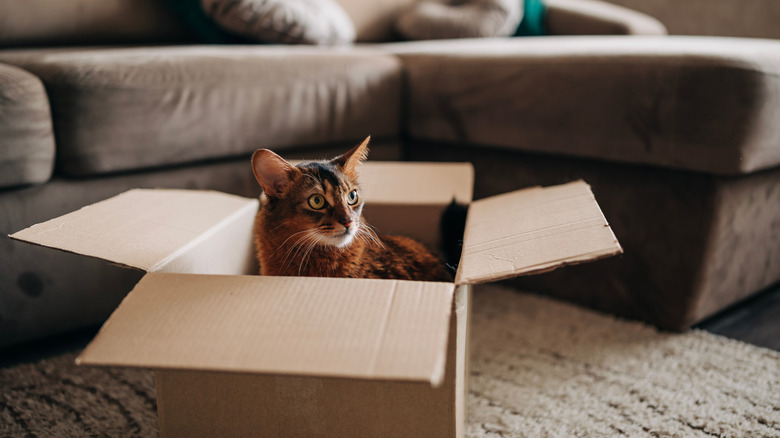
{"points": [[328, 189], [324, 172]]}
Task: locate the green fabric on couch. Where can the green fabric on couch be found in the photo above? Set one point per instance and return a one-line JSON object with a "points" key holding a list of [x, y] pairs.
{"points": [[191, 12], [534, 19]]}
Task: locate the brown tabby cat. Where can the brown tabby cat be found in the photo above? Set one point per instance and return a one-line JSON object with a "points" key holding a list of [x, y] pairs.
{"points": [[311, 224]]}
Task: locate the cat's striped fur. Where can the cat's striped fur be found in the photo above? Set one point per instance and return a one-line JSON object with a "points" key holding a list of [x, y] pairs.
{"points": [[311, 224]]}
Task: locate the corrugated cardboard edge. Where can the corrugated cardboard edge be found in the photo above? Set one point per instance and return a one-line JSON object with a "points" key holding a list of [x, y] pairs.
{"points": [[93, 257], [137, 334], [614, 247], [18, 236], [251, 204], [546, 267]]}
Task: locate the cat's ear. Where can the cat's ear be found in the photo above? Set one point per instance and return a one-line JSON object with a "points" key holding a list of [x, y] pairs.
{"points": [[272, 172], [350, 160]]}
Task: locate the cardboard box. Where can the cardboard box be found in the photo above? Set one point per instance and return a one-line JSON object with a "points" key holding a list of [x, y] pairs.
{"points": [[237, 354]]}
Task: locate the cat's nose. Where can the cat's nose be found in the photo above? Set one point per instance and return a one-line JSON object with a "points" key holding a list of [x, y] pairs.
{"points": [[346, 221]]}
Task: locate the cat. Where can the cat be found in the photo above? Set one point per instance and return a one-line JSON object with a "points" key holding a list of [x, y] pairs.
{"points": [[311, 224]]}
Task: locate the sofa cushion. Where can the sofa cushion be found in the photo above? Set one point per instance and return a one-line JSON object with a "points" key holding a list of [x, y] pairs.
{"points": [[704, 104], [431, 19], [122, 109], [26, 136]]}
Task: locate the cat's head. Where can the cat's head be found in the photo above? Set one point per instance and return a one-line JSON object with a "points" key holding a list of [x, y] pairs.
{"points": [[319, 201]]}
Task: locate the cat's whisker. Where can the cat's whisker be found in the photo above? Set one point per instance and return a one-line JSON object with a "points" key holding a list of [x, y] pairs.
{"points": [[277, 227], [361, 237], [310, 246], [296, 246], [368, 241], [313, 241], [368, 231], [371, 229], [366, 237], [307, 254], [286, 240], [377, 241]]}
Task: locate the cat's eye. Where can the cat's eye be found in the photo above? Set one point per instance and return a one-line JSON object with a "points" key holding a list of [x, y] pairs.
{"points": [[352, 197], [317, 202]]}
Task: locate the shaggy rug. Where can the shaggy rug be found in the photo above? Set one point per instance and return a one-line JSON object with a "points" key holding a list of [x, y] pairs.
{"points": [[539, 368]]}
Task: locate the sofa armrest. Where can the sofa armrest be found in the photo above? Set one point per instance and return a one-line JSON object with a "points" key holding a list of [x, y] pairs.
{"points": [[26, 135], [593, 17]]}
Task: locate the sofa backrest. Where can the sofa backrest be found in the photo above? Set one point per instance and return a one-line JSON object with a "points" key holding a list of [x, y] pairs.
{"points": [[96, 22], [739, 18], [75, 22]]}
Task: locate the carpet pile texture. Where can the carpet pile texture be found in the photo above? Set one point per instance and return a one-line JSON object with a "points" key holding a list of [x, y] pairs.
{"points": [[539, 368]]}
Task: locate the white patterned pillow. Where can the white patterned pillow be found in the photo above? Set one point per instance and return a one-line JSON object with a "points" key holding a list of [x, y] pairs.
{"points": [[321, 22]]}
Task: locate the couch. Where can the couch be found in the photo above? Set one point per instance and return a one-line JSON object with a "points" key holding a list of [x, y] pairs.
{"points": [[677, 135]]}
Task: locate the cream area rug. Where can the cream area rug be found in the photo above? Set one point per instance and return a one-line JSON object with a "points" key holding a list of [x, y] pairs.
{"points": [[540, 368], [544, 368]]}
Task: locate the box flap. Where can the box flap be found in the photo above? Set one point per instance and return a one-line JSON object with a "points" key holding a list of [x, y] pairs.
{"points": [[416, 183], [145, 229], [533, 230], [374, 329]]}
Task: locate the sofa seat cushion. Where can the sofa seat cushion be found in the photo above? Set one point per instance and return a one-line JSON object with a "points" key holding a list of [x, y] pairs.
{"points": [[131, 108], [703, 104], [26, 136]]}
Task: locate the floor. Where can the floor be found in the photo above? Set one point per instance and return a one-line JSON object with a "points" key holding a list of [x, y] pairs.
{"points": [[755, 320]]}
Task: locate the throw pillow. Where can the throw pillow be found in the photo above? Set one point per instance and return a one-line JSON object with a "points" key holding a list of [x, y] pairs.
{"points": [[431, 19], [321, 22]]}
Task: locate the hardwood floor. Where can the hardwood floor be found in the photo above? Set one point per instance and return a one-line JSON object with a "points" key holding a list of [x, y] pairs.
{"points": [[755, 321]]}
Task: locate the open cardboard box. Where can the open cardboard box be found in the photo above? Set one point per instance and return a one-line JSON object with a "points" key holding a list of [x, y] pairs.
{"points": [[237, 354]]}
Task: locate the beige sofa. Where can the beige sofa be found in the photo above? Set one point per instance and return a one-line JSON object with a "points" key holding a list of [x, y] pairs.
{"points": [[674, 133]]}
